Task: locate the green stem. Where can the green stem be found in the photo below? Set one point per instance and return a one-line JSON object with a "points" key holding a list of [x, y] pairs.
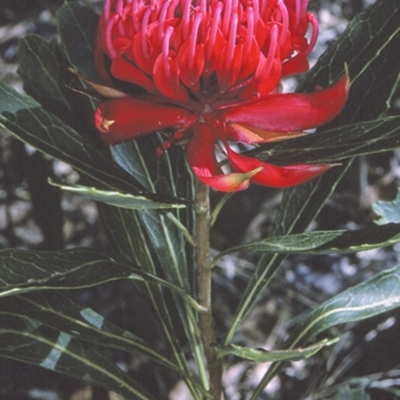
{"points": [[202, 241]]}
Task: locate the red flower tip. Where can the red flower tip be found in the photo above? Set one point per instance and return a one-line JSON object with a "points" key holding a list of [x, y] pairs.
{"points": [[129, 118], [231, 182], [208, 71], [102, 124], [251, 135], [276, 176]]}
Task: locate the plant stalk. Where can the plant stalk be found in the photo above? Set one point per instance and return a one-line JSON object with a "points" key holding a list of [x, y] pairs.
{"points": [[202, 241]]}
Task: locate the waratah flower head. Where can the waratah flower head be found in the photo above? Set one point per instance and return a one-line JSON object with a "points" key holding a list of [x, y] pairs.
{"points": [[209, 71], [207, 51]]}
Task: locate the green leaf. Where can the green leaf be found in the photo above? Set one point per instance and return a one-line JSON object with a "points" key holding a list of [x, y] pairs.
{"points": [[29, 271], [261, 355], [385, 381], [369, 48], [372, 297], [25, 118], [23, 271], [77, 28], [325, 242], [166, 175], [129, 242], [39, 68], [58, 311], [126, 236], [117, 199], [29, 341], [389, 211], [375, 296], [335, 144], [170, 175], [43, 67], [351, 394]]}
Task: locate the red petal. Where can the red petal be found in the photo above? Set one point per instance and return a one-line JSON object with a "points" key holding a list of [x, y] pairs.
{"points": [[145, 62], [250, 61], [295, 65], [292, 111], [200, 151], [212, 57], [201, 157], [124, 70], [265, 86], [227, 75], [128, 118], [170, 86], [190, 76], [274, 176]]}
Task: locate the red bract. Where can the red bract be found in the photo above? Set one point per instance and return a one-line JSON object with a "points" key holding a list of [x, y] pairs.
{"points": [[208, 72]]}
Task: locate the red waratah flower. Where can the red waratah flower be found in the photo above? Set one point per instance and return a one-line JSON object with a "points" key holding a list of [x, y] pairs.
{"points": [[206, 73]]}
